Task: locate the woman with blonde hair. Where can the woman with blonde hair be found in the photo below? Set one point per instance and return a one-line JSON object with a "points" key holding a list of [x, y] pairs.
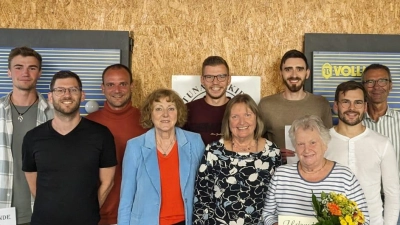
{"points": [[234, 173]]}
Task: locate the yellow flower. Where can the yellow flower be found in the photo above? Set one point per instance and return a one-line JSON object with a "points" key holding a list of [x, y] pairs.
{"points": [[339, 206], [349, 220], [359, 217]]}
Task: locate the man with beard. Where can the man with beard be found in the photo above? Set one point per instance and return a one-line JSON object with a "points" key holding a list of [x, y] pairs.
{"points": [[205, 114], [367, 153], [282, 109], [69, 162], [20, 110], [122, 119]]}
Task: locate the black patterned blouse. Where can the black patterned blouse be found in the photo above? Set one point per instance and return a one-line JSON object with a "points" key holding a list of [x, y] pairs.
{"points": [[231, 186]]}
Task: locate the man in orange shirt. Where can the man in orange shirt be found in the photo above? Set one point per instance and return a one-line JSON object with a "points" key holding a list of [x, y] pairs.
{"points": [[122, 119]]}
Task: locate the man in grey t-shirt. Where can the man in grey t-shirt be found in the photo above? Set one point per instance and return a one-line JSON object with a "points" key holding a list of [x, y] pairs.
{"points": [[278, 111], [20, 110]]}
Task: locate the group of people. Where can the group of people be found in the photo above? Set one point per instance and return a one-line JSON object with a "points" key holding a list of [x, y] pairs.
{"points": [[216, 160]]}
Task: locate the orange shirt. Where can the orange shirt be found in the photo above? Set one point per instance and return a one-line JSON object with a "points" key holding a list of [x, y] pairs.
{"points": [[172, 207], [124, 125]]}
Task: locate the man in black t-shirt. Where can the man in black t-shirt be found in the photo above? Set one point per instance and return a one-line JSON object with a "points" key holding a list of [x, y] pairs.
{"points": [[69, 162]]}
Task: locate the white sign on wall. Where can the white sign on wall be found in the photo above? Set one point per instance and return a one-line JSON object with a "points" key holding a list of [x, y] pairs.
{"points": [[189, 87]]}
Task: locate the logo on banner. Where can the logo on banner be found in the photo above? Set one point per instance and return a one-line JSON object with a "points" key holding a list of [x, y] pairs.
{"points": [[341, 70], [327, 70], [198, 92]]}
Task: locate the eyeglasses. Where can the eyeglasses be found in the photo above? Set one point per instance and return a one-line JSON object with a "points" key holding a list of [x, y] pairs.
{"points": [[60, 91], [220, 77], [381, 82], [347, 103]]}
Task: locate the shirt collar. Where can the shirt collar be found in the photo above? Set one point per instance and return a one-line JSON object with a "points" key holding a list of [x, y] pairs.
{"points": [[389, 113]]}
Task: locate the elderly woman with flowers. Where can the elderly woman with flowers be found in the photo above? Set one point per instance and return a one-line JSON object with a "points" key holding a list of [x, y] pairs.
{"points": [[292, 187]]}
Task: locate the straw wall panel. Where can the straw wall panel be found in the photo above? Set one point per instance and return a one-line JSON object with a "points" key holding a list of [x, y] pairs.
{"points": [[174, 37]]}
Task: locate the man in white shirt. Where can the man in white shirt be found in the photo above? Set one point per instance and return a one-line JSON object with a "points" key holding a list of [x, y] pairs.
{"points": [[369, 155]]}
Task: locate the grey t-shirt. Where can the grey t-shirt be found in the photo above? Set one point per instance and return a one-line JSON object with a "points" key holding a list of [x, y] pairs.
{"points": [[21, 198]]}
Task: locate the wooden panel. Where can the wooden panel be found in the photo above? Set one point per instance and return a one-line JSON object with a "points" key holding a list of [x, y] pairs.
{"points": [[174, 37]]}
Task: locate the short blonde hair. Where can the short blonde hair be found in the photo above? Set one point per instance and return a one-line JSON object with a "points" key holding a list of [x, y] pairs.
{"points": [[156, 96], [249, 102]]}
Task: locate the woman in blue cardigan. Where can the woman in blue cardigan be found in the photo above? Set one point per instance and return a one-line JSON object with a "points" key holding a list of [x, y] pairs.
{"points": [[159, 167]]}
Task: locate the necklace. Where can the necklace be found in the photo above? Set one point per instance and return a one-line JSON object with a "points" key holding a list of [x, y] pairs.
{"points": [[165, 150], [243, 149], [316, 171], [20, 115]]}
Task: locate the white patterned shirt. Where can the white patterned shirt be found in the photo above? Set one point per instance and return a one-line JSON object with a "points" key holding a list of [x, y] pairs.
{"points": [[45, 112], [388, 125], [289, 194]]}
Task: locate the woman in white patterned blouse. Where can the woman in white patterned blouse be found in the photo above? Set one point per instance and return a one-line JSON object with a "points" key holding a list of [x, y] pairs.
{"points": [[234, 173]]}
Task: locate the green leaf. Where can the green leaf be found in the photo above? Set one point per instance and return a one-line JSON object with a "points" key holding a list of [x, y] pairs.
{"points": [[316, 205], [335, 220]]}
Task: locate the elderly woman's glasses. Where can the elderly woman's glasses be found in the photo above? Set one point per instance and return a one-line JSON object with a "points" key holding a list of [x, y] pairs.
{"points": [[381, 82], [220, 77], [347, 103], [60, 91]]}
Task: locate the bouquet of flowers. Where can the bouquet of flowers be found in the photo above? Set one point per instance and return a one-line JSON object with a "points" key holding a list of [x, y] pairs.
{"points": [[336, 209]]}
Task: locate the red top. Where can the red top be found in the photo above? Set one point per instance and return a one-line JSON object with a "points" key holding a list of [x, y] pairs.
{"points": [[124, 125], [172, 208]]}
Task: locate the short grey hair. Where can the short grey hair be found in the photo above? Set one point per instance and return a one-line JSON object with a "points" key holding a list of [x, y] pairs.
{"points": [[310, 122]]}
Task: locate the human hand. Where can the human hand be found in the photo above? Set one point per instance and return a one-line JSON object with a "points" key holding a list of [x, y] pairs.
{"points": [[286, 153]]}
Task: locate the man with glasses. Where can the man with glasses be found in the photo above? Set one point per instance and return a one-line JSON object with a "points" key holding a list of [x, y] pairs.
{"points": [[69, 162], [20, 110], [377, 80], [122, 119], [280, 110], [205, 114], [367, 153]]}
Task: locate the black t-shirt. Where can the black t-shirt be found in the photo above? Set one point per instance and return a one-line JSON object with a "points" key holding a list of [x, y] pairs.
{"points": [[67, 169]]}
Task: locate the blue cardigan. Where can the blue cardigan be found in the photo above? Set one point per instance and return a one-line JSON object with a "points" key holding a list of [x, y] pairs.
{"points": [[140, 201]]}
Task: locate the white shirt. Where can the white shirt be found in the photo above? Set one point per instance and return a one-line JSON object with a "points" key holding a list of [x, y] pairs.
{"points": [[371, 158], [388, 125]]}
